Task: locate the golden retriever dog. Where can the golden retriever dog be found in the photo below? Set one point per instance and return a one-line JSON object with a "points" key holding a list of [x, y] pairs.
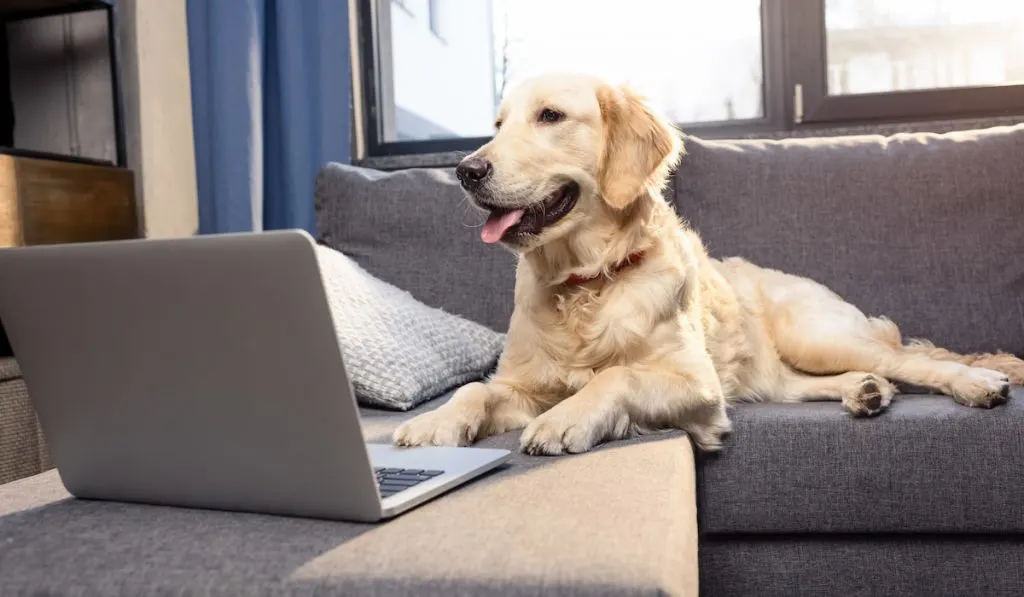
{"points": [[623, 324]]}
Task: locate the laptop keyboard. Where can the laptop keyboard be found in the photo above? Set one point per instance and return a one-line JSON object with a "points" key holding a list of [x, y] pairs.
{"points": [[393, 480]]}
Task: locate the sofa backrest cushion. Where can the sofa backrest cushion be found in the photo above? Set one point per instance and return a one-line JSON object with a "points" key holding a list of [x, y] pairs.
{"points": [[415, 230], [927, 229]]}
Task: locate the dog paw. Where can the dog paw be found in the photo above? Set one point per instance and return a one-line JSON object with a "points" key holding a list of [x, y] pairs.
{"points": [[872, 395], [563, 430], [553, 435], [441, 427], [983, 388]]}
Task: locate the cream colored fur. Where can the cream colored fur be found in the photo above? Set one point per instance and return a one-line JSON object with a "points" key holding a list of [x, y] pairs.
{"points": [[668, 342]]}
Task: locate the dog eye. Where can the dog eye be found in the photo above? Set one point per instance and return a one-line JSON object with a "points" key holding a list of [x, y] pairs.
{"points": [[550, 116], [497, 125]]}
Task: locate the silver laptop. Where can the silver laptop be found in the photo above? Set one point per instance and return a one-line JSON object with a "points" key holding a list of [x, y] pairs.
{"points": [[205, 372]]}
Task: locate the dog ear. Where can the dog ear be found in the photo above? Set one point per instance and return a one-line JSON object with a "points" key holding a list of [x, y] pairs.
{"points": [[640, 147]]}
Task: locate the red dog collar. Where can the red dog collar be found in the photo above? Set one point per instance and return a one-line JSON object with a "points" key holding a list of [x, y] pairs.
{"points": [[633, 259]]}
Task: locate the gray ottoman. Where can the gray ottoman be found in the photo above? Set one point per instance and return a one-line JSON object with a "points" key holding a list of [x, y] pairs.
{"points": [[619, 520]]}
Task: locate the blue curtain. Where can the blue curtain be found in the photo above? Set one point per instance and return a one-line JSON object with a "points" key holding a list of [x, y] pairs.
{"points": [[271, 97]]}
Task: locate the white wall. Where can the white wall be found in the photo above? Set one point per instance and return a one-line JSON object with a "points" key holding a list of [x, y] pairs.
{"points": [[447, 79], [158, 114]]}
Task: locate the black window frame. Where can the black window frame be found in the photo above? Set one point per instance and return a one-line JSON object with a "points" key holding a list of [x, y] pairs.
{"points": [[794, 88]]}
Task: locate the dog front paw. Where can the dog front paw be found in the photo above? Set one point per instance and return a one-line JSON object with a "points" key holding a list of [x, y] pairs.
{"points": [[442, 427], [551, 436], [562, 430]]}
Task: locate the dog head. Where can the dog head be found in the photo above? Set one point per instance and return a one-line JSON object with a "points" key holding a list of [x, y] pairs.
{"points": [[568, 149]]}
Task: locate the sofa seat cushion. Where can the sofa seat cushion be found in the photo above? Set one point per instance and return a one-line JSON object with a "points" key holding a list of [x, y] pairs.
{"points": [[619, 520], [923, 228], [926, 465]]}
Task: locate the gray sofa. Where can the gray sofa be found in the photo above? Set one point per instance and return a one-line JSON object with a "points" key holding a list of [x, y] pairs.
{"points": [[804, 500]]}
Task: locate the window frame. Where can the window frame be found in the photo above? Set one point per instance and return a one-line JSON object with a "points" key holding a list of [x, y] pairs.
{"points": [[794, 87]]}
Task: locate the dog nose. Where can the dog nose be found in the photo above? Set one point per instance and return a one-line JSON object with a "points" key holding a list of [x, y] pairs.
{"points": [[472, 171]]}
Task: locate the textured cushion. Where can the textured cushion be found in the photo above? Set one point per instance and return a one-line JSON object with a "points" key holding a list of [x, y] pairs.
{"points": [[415, 230], [927, 229], [927, 465], [399, 352], [871, 566], [542, 526]]}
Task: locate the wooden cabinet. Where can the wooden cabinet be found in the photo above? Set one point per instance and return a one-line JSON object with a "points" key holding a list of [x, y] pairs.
{"points": [[45, 201]]}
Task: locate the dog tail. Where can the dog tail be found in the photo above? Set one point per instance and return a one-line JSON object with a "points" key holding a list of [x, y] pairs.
{"points": [[1003, 362]]}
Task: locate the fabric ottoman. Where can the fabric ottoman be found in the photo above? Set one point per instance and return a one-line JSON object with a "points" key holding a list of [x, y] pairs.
{"points": [[618, 520]]}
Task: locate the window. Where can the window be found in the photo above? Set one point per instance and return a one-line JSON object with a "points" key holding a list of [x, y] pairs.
{"points": [[438, 88], [880, 47], [434, 71], [659, 46], [856, 61]]}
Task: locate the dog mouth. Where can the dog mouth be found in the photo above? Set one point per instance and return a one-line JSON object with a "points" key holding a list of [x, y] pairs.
{"points": [[514, 224]]}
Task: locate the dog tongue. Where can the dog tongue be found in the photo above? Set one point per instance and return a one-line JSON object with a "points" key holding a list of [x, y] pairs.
{"points": [[498, 225]]}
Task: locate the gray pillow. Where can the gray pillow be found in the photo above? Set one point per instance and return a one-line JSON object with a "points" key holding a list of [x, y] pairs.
{"points": [[399, 352]]}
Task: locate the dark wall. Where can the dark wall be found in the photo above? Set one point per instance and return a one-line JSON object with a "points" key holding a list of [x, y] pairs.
{"points": [[6, 103]]}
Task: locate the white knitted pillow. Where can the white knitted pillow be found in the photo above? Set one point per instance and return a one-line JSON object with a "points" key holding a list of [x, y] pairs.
{"points": [[398, 351]]}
